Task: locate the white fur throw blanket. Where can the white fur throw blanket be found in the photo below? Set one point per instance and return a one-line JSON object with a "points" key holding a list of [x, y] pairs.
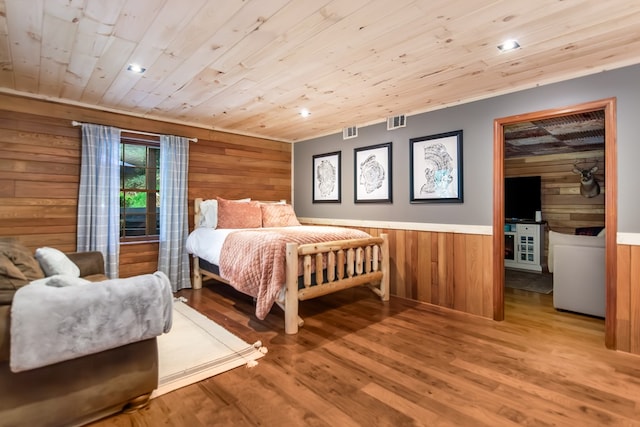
{"points": [[51, 324]]}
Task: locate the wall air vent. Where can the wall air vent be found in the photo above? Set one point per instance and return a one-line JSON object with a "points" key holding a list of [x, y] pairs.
{"points": [[350, 132], [396, 122]]}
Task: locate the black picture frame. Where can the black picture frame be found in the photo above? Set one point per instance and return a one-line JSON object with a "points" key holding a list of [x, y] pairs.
{"points": [[436, 168], [372, 174], [327, 181]]}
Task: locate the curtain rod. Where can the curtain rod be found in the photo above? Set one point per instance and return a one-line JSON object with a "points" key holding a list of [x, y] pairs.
{"points": [[74, 123]]}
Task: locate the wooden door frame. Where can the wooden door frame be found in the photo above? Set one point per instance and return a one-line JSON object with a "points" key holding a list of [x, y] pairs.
{"points": [[608, 105]]}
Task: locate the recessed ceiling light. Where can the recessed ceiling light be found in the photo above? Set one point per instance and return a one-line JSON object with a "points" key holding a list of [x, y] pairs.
{"points": [[136, 68], [509, 45], [304, 112]]}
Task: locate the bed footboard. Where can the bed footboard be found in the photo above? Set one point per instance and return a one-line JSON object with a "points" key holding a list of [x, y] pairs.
{"points": [[339, 265]]}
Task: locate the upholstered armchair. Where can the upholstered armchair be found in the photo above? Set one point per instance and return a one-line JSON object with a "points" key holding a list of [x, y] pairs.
{"points": [[578, 267], [80, 388]]}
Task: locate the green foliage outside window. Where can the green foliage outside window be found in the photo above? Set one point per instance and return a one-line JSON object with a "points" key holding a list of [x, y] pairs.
{"points": [[139, 189], [133, 200]]}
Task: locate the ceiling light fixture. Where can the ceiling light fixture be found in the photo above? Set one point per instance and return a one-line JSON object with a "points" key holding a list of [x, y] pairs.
{"points": [[136, 68], [509, 45], [305, 113]]}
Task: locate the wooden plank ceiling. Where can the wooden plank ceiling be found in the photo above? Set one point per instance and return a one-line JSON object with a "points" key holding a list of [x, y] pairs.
{"points": [[249, 66]]}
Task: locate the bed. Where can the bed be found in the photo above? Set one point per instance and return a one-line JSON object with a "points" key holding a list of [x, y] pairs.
{"points": [[276, 260]]}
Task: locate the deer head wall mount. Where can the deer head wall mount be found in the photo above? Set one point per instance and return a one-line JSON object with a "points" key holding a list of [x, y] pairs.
{"points": [[589, 186]]}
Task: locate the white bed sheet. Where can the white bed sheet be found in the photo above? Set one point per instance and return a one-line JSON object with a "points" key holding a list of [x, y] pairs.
{"points": [[206, 243]]}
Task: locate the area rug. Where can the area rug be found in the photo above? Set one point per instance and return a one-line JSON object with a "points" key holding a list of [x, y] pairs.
{"points": [[197, 348], [541, 283]]}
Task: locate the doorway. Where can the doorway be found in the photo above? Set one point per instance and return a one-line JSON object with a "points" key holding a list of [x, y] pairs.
{"points": [[608, 107]]}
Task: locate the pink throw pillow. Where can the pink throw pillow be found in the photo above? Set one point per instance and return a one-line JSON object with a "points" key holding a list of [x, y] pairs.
{"points": [[232, 214], [278, 215]]}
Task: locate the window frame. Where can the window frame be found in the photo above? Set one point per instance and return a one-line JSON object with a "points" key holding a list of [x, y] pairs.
{"points": [[150, 218]]}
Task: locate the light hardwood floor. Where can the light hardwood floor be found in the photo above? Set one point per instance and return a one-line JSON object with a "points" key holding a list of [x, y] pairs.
{"points": [[359, 362]]}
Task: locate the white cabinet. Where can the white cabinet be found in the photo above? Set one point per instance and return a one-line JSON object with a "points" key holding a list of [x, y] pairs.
{"points": [[524, 243]]}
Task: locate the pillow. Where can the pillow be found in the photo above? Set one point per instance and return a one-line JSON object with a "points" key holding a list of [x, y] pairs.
{"points": [[278, 215], [233, 214], [22, 258], [11, 277], [18, 267], [54, 261], [209, 212]]}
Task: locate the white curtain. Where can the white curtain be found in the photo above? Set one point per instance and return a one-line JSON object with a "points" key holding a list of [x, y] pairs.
{"points": [[173, 259], [99, 196]]}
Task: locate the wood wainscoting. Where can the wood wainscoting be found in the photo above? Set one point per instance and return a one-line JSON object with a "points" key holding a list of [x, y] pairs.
{"points": [[628, 299], [447, 269]]}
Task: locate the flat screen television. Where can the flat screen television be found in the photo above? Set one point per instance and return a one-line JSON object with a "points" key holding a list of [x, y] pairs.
{"points": [[522, 197]]}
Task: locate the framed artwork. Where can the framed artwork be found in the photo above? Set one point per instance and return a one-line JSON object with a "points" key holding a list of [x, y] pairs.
{"points": [[436, 168], [372, 174], [326, 178]]}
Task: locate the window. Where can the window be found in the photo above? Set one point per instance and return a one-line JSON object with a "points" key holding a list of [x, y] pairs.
{"points": [[139, 189]]}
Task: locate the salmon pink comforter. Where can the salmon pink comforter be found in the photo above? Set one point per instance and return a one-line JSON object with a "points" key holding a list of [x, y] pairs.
{"points": [[253, 261]]}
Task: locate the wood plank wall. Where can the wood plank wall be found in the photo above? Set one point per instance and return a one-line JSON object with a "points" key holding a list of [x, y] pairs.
{"points": [[452, 270], [40, 166], [39, 169], [563, 207]]}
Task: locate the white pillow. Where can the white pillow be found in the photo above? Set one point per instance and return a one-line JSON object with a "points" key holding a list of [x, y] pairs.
{"points": [[209, 212], [54, 261]]}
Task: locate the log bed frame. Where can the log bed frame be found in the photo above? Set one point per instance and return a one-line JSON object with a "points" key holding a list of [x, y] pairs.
{"points": [[348, 263]]}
